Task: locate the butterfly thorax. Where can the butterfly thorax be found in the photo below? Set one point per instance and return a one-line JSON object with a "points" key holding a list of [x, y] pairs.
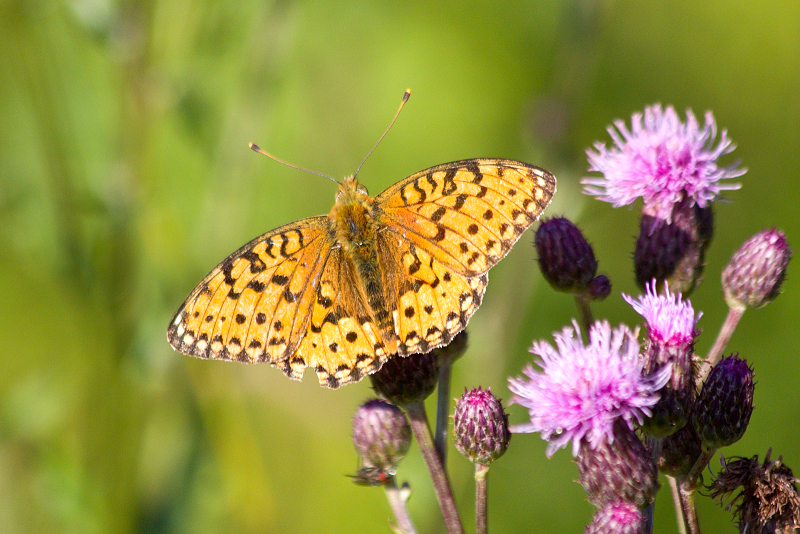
{"points": [[352, 219]]}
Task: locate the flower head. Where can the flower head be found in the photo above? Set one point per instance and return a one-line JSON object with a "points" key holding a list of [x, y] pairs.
{"points": [[725, 404], [382, 436], [768, 500], [481, 426], [671, 331], [755, 273], [670, 319], [583, 389], [620, 517], [565, 257], [661, 160]]}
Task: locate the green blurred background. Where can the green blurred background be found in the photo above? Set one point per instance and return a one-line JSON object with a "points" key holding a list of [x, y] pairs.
{"points": [[125, 176]]}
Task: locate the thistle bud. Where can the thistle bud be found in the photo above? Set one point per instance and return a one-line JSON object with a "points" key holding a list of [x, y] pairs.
{"points": [[754, 275], [481, 426], [674, 250], [566, 259], [599, 287], [623, 470], [382, 437], [618, 517], [679, 452], [723, 408], [403, 380]]}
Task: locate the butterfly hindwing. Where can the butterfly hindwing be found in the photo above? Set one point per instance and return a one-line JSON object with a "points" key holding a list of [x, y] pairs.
{"points": [[343, 342], [433, 303], [468, 213]]}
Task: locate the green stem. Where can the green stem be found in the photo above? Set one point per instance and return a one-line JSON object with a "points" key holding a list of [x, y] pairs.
{"points": [[422, 432], [443, 409], [398, 500], [725, 333], [689, 510], [481, 497], [585, 310], [676, 500], [687, 485]]}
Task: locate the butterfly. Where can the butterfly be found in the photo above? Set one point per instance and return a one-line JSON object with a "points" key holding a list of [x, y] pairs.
{"points": [[393, 275]]}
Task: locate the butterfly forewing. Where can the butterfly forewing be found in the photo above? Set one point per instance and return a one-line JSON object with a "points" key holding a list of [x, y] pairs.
{"points": [[253, 306], [468, 214]]}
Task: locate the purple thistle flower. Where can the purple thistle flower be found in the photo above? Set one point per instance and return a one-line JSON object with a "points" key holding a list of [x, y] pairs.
{"points": [[670, 319], [661, 160], [671, 329], [583, 389]]}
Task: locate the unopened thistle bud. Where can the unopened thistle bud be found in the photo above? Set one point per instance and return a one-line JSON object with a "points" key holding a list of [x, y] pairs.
{"points": [[618, 517], [566, 259], [768, 501], [481, 426], [403, 380], [723, 408], [679, 452], [382, 437], [754, 275]]}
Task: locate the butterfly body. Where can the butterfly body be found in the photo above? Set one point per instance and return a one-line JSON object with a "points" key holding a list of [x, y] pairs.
{"points": [[396, 274]]}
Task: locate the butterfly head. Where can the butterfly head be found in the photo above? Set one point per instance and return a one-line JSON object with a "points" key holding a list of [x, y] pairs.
{"points": [[350, 191]]}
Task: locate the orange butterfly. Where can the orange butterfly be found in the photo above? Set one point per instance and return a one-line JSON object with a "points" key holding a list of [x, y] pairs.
{"points": [[397, 274]]}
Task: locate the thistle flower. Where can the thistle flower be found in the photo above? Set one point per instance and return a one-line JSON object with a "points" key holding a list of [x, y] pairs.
{"points": [[409, 379], [583, 389], [481, 426], [671, 323], [618, 517], [673, 250], [678, 452], [662, 160], [754, 275]]}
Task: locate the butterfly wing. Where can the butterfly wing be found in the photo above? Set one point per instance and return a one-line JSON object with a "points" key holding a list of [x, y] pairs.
{"points": [[467, 214], [254, 306], [441, 230]]}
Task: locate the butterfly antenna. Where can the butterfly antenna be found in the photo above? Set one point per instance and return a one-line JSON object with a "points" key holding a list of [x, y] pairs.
{"points": [[256, 148], [406, 96]]}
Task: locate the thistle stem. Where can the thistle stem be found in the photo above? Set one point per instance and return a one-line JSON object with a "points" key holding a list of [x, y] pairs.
{"points": [[398, 500], [585, 310], [725, 333], [676, 499], [481, 497], [689, 511], [687, 485], [422, 432], [443, 409]]}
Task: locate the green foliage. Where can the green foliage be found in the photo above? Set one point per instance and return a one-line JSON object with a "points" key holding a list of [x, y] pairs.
{"points": [[125, 176]]}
